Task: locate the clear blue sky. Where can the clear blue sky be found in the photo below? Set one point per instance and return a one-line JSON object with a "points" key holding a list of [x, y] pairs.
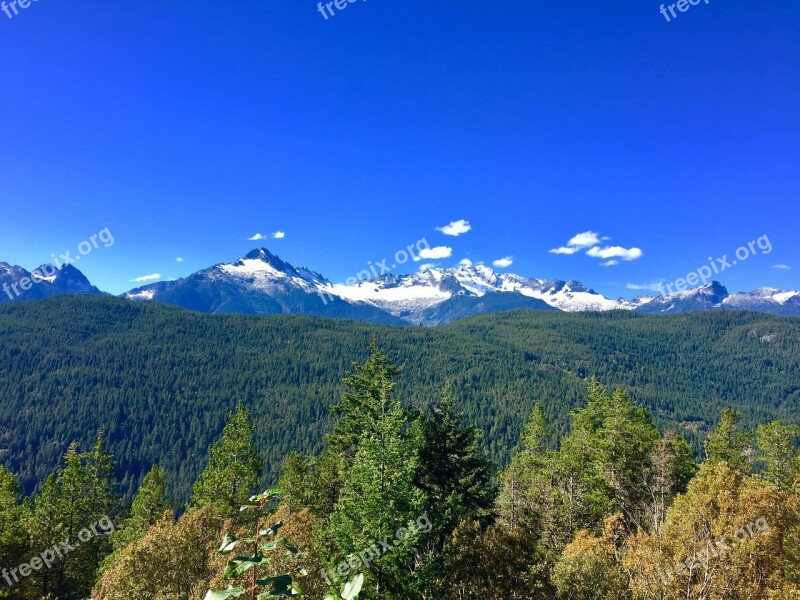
{"points": [[186, 127]]}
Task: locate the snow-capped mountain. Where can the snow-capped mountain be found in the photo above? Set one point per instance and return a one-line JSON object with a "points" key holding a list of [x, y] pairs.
{"points": [[715, 296], [707, 297], [42, 282], [771, 300], [263, 283], [409, 296], [259, 283]]}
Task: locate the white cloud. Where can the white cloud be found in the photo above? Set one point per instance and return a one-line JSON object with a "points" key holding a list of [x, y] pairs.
{"points": [[278, 235], [609, 263], [434, 253], [578, 242], [584, 240], [627, 254], [455, 228], [782, 267], [648, 287], [504, 262], [426, 267], [179, 259], [144, 278], [257, 237], [465, 262], [565, 250]]}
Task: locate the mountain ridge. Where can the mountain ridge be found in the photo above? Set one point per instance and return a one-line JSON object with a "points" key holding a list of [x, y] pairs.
{"points": [[263, 283]]}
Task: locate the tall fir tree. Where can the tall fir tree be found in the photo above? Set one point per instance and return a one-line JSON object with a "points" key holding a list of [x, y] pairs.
{"points": [[729, 443], [455, 478], [14, 537], [75, 507], [778, 453], [148, 508], [233, 471]]}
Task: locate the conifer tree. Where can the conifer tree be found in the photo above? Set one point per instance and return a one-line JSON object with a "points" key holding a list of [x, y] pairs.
{"points": [[233, 471], [14, 539], [728, 442], [293, 483], [455, 478], [148, 508], [778, 453], [369, 387]]}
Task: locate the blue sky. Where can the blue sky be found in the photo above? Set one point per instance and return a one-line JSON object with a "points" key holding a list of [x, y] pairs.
{"points": [[186, 127]]}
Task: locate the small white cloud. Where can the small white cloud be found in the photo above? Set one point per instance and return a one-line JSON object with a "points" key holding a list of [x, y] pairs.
{"points": [[609, 263], [455, 228], [257, 237], [782, 267], [144, 278], [278, 235], [578, 242], [647, 287], [626, 254], [504, 262], [426, 267], [584, 240], [179, 259], [434, 253], [565, 250], [465, 262]]}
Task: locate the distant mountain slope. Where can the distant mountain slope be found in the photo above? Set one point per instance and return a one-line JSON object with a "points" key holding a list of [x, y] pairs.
{"points": [[161, 379], [262, 283], [47, 281]]}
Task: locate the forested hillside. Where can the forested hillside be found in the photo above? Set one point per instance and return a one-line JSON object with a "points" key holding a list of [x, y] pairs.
{"points": [[161, 380]]}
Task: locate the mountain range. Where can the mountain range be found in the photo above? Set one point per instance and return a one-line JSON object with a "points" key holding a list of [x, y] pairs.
{"points": [[263, 283], [44, 282]]}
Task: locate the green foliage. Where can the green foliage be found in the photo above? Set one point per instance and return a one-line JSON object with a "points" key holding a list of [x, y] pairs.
{"points": [[148, 508], [778, 453], [295, 482], [73, 502], [233, 470], [453, 475], [162, 380], [350, 590], [261, 544], [729, 443], [14, 515]]}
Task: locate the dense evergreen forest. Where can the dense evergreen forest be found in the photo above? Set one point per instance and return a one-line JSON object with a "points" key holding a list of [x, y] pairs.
{"points": [[161, 380], [402, 504]]}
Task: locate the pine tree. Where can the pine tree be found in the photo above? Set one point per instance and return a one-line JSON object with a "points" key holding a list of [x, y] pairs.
{"points": [[729, 443], [148, 508], [294, 481], [233, 470], [360, 406], [377, 499], [14, 538], [380, 457], [454, 476], [75, 506], [778, 453]]}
